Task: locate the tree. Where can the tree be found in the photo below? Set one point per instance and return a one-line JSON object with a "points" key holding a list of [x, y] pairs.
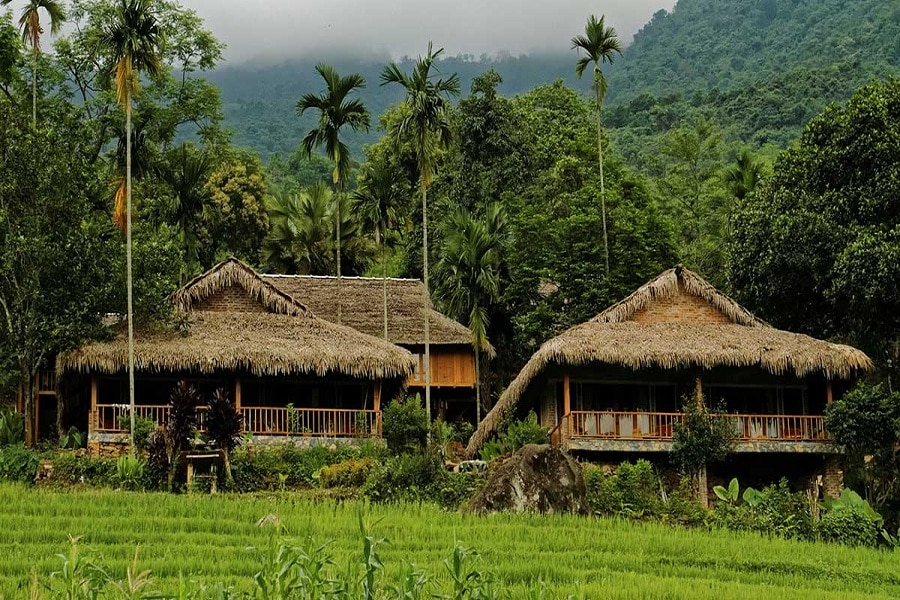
{"points": [[55, 254], [816, 248], [378, 201], [300, 239], [600, 45], [30, 23], [134, 39], [426, 127], [185, 172], [470, 275], [744, 175], [336, 111]]}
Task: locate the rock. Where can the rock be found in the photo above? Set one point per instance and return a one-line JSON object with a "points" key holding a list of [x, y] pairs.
{"points": [[537, 478]]}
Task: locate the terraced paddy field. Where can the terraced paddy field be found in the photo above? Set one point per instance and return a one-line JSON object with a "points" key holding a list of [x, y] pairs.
{"points": [[206, 539]]}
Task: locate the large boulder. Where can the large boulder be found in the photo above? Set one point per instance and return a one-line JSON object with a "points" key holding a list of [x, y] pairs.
{"points": [[537, 478]]}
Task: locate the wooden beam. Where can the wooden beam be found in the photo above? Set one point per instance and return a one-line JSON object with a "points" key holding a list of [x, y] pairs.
{"points": [[376, 401], [567, 395], [92, 421], [829, 393], [237, 394]]}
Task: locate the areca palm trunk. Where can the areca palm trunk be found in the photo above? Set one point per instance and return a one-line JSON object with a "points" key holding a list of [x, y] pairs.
{"points": [[427, 300], [477, 386], [130, 309], [340, 283], [602, 183], [384, 285], [34, 58]]}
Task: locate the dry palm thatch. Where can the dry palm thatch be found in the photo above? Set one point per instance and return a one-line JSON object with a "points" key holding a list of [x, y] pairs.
{"points": [[363, 309], [611, 339], [281, 338]]}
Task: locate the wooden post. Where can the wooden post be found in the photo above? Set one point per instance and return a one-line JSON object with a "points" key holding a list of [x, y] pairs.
{"points": [[237, 394], [699, 393], [567, 405], [829, 393], [376, 399], [92, 420]]}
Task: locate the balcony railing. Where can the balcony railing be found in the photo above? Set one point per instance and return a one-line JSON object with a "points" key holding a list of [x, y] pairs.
{"points": [[321, 422], [660, 426]]}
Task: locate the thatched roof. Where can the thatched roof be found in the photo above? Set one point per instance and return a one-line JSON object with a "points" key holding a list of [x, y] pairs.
{"points": [[611, 338], [363, 309], [285, 338]]}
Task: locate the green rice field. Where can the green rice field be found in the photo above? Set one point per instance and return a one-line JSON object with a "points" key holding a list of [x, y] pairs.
{"points": [[207, 538]]}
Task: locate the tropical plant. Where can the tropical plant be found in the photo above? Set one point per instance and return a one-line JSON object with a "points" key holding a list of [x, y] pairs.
{"points": [[377, 201], [336, 111], [12, 427], [700, 438], [30, 23], [185, 171], [72, 439], [182, 424], [731, 494], [299, 241], [405, 425], [600, 45], [133, 37], [744, 174], [425, 125], [130, 471], [224, 425], [470, 275], [516, 435]]}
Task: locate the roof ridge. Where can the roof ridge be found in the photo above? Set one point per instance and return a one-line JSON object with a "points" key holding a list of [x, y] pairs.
{"points": [[334, 277]]}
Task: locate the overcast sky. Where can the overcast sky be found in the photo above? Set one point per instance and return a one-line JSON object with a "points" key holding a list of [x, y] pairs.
{"points": [[264, 29]]}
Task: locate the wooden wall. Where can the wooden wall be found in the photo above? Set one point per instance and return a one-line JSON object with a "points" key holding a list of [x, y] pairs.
{"points": [[451, 366]]}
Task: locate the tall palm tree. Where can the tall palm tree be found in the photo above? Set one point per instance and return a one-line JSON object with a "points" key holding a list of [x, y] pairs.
{"points": [[301, 238], [30, 22], [470, 275], [600, 45], [377, 200], [427, 128], [185, 171], [132, 38], [336, 111]]}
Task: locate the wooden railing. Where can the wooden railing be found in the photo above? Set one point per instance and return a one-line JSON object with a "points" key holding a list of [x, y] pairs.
{"points": [[660, 426], [113, 417], [322, 422]]}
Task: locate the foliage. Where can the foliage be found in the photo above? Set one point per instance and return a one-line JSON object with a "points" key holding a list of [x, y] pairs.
{"points": [[516, 435], [731, 494], [224, 424], [851, 501], [12, 427], [851, 527], [633, 490], [774, 510], [130, 472], [699, 438], [70, 468], [405, 478], [18, 463], [349, 473], [143, 429], [405, 425], [72, 439], [814, 248], [181, 426]]}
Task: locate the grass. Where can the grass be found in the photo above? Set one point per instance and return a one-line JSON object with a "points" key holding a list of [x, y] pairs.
{"points": [[207, 538]]}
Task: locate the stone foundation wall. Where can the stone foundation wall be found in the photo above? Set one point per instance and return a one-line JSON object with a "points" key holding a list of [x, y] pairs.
{"points": [[832, 478], [114, 445]]}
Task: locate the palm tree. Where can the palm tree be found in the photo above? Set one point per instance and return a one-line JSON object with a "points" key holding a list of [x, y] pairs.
{"points": [[30, 22], [742, 177], [470, 275], [336, 110], [185, 171], [301, 238], [426, 126], [377, 199], [133, 39], [600, 45]]}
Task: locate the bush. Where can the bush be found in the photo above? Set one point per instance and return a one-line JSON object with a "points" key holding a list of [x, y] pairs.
{"points": [[143, 429], [18, 463], [72, 439], [632, 491], [12, 427], [349, 473], [851, 527], [774, 510], [405, 425], [699, 438], [680, 508], [408, 477], [130, 472], [71, 469], [453, 491], [516, 435]]}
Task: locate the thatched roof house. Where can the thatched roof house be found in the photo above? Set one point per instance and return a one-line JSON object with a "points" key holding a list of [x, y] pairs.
{"points": [[362, 307], [677, 321], [238, 321]]}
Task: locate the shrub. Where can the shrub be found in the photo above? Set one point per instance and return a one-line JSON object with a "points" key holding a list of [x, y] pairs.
{"points": [[408, 477], [516, 435], [71, 469], [12, 427], [774, 510], [224, 425], [700, 439], [851, 527], [130, 472], [349, 473], [18, 463], [405, 425], [453, 491], [632, 491], [72, 439], [157, 459], [680, 508], [143, 429]]}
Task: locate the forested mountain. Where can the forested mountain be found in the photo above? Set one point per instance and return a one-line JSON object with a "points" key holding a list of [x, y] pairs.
{"points": [[259, 101]]}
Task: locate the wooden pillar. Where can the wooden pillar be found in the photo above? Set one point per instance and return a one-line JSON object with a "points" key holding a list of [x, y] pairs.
{"points": [[829, 393], [95, 389], [699, 392], [237, 394], [376, 398], [567, 405]]}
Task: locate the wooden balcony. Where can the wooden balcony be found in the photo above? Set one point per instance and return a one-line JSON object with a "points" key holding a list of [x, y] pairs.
{"points": [[648, 431], [314, 422]]}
